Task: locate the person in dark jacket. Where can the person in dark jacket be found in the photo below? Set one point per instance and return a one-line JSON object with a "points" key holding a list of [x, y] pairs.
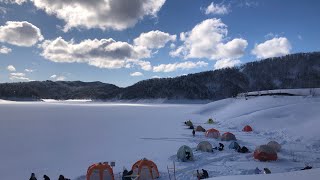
{"points": [[45, 177], [266, 171], [243, 149], [221, 146], [193, 133], [307, 167], [188, 156], [33, 177], [61, 177], [126, 174], [205, 174]]}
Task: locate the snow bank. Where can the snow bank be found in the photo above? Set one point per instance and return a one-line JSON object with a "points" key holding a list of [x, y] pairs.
{"points": [[298, 92], [313, 174]]}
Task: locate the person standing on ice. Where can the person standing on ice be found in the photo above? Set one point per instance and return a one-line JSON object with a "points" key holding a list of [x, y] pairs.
{"points": [[33, 177], [45, 177], [193, 133]]}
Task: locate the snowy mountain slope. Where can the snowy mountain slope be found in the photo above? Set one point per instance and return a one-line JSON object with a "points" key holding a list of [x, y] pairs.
{"points": [[66, 137]]}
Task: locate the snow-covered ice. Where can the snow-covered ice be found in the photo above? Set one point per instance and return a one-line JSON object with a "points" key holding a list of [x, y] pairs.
{"points": [[66, 137]]}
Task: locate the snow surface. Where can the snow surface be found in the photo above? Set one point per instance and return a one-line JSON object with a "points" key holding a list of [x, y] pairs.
{"points": [[298, 92], [66, 137], [297, 175]]}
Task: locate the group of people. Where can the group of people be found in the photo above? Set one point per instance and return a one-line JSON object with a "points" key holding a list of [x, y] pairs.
{"points": [[220, 148], [45, 177], [264, 171]]}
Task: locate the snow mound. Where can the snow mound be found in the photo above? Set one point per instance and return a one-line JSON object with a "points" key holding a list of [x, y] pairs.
{"points": [[313, 174]]}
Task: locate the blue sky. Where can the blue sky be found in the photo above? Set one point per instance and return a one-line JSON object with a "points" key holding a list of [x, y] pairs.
{"points": [[122, 42]]}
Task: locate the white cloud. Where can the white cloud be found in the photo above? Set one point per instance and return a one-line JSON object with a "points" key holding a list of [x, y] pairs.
{"points": [[61, 78], [13, 1], [19, 77], [29, 70], [175, 66], [172, 46], [224, 63], [57, 78], [300, 37], [103, 14], [209, 40], [5, 50], [20, 33], [103, 53], [11, 68], [217, 9], [136, 74], [272, 48], [154, 39], [53, 76], [155, 77]]}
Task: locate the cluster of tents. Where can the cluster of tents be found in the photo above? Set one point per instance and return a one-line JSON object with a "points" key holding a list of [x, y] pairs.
{"points": [[143, 169], [267, 152]]}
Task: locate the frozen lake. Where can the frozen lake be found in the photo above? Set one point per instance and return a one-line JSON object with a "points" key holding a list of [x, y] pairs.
{"points": [[65, 138]]}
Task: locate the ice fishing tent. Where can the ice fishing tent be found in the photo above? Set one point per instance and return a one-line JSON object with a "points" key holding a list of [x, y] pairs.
{"points": [[265, 153], [183, 152], [247, 128], [100, 171], [189, 123], [234, 145], [200, 128], [204, 146], [212, 133], [274, 145], [228, 137], [145, 169], [210, 121]]}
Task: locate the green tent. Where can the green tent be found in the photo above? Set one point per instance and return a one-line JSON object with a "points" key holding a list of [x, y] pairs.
{"points": [[189, 123], [210, 121]]}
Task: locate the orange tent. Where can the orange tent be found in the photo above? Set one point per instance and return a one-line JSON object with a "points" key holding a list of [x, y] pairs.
{"points": [[265, 153], [100, 171], [247, 128], [145, 169], [228, 136], [213, 133]]}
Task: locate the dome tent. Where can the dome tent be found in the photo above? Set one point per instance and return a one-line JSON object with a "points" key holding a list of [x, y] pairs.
{"points": [[145, 169], [100, 171], [228, 137], [212, 133], [234, 145], [210, 121], [265, 153], [204, 146], [189, 123], [247, 128], [274, 145], [183, 152], [200, 128]]}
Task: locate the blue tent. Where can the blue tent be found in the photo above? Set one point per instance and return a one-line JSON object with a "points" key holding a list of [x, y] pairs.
{"points": [[234, 145]]}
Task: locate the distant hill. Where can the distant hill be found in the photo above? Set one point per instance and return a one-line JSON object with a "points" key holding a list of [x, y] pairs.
{"points": [[293, 71]]}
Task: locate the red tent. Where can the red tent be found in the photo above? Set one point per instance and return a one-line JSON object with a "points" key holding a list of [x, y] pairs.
{"points": [[265, 153], [213, 133], [247, 128]]}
